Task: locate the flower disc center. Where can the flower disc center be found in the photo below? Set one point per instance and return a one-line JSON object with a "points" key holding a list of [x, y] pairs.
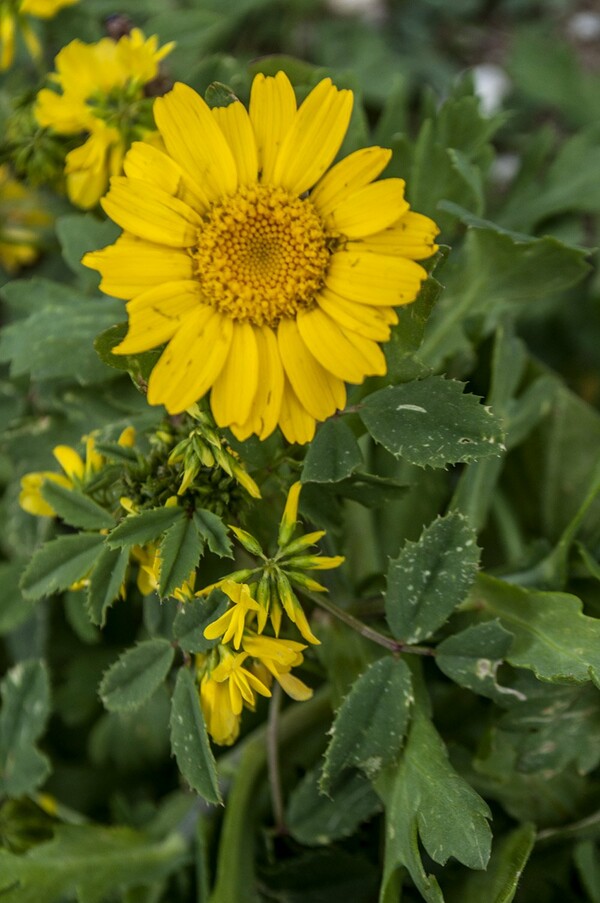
{"points": [[262, 255]]}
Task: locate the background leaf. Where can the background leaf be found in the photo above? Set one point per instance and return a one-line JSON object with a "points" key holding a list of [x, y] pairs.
{"points": [[136, 674], [25, 710]]}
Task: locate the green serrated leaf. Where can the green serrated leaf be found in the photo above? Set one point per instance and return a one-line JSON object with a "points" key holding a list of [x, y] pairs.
{"points": [[179, 551], [332, 455], [76, 509], [315, 819], [91, 860], [431, 423], [212, 529], [60, 563], [25, 709], [147, 526], [472, 657], [369, 728], [426, 798], [498, 884], [136, 674], [106, 581], [189, 740], [552, 636], [193, 617], [430, 578]]}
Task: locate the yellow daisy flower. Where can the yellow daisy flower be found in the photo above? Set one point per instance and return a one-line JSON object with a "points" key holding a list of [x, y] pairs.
{"points": [[14, 16], [271, 276], [20, 221], [102, 94]]}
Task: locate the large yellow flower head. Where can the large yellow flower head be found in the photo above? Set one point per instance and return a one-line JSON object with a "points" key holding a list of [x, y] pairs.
{"points": [[14, 15], [271, 276], [102, 94]]}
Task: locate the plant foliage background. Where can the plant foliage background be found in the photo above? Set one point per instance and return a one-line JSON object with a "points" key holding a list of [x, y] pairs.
{"points": [[465, 772]]}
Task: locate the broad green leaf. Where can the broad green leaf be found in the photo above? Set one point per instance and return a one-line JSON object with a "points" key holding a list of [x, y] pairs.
{"points": [[82, 232], [424, 797], [76, 509], [136, 674], [189, 740], [147, 526], [193, 617], [106, 581], [587, 860], [430, 578], [332, 455], [315, 819], [180, 550], [407, 335], [498, 884], [60, 563], [431, 422], [212, 529], [90, 862], [369, 728], [472, 657], [25, 710], [552, 636]]}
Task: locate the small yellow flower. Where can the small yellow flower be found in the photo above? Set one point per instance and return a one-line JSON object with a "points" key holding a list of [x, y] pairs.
{"points": [[102, 94], [21, 218], [230, 626], [278, 657], [15, 15], [272, 275], [222, 723]]}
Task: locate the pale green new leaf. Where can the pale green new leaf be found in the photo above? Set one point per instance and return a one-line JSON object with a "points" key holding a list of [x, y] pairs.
{"points": [[60, 563], [430, 578], [189, 739], [552, 636], [87, 861], [25, 710], [136, 674], [370, 725], [430, 422]]}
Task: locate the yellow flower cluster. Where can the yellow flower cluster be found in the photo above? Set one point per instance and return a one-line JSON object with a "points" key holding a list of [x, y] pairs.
{"points": [[101, 94], [21, 219]]}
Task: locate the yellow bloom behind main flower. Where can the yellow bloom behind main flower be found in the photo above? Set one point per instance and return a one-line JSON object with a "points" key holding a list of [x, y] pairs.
{"points": [[272, 277], [21, 219], [14, 16], [102, 94]]}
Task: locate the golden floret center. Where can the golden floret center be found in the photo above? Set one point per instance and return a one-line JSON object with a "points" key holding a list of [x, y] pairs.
{"points": [[262, 255]]}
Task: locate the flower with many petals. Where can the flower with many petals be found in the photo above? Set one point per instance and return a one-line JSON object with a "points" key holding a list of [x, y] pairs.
{"points": [[101, 94], [271, 274]]}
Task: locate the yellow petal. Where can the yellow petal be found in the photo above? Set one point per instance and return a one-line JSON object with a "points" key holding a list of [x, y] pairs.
{"points": [[191, 361], [318, 391], [31, 498], [70, 461], [150, 164], [235, 124], [296, 424], [373, 278], [235, 388], [196, 142], [329, 343], [272, 110], [294, 687], [413, 236], [363, 318], [314, 137], [266, 405], [132, 265], [349, 175], [369, 210], [155, 315], [151, 213]]}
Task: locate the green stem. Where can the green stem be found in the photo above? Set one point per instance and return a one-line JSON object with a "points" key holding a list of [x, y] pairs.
{"points": [[273, 760], [368, 632], [588, 827]]}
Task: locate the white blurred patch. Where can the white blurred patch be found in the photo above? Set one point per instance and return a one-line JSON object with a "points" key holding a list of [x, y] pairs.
{"points": [[369, 10], [504, 169], [492, 84], [585, 26]]}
